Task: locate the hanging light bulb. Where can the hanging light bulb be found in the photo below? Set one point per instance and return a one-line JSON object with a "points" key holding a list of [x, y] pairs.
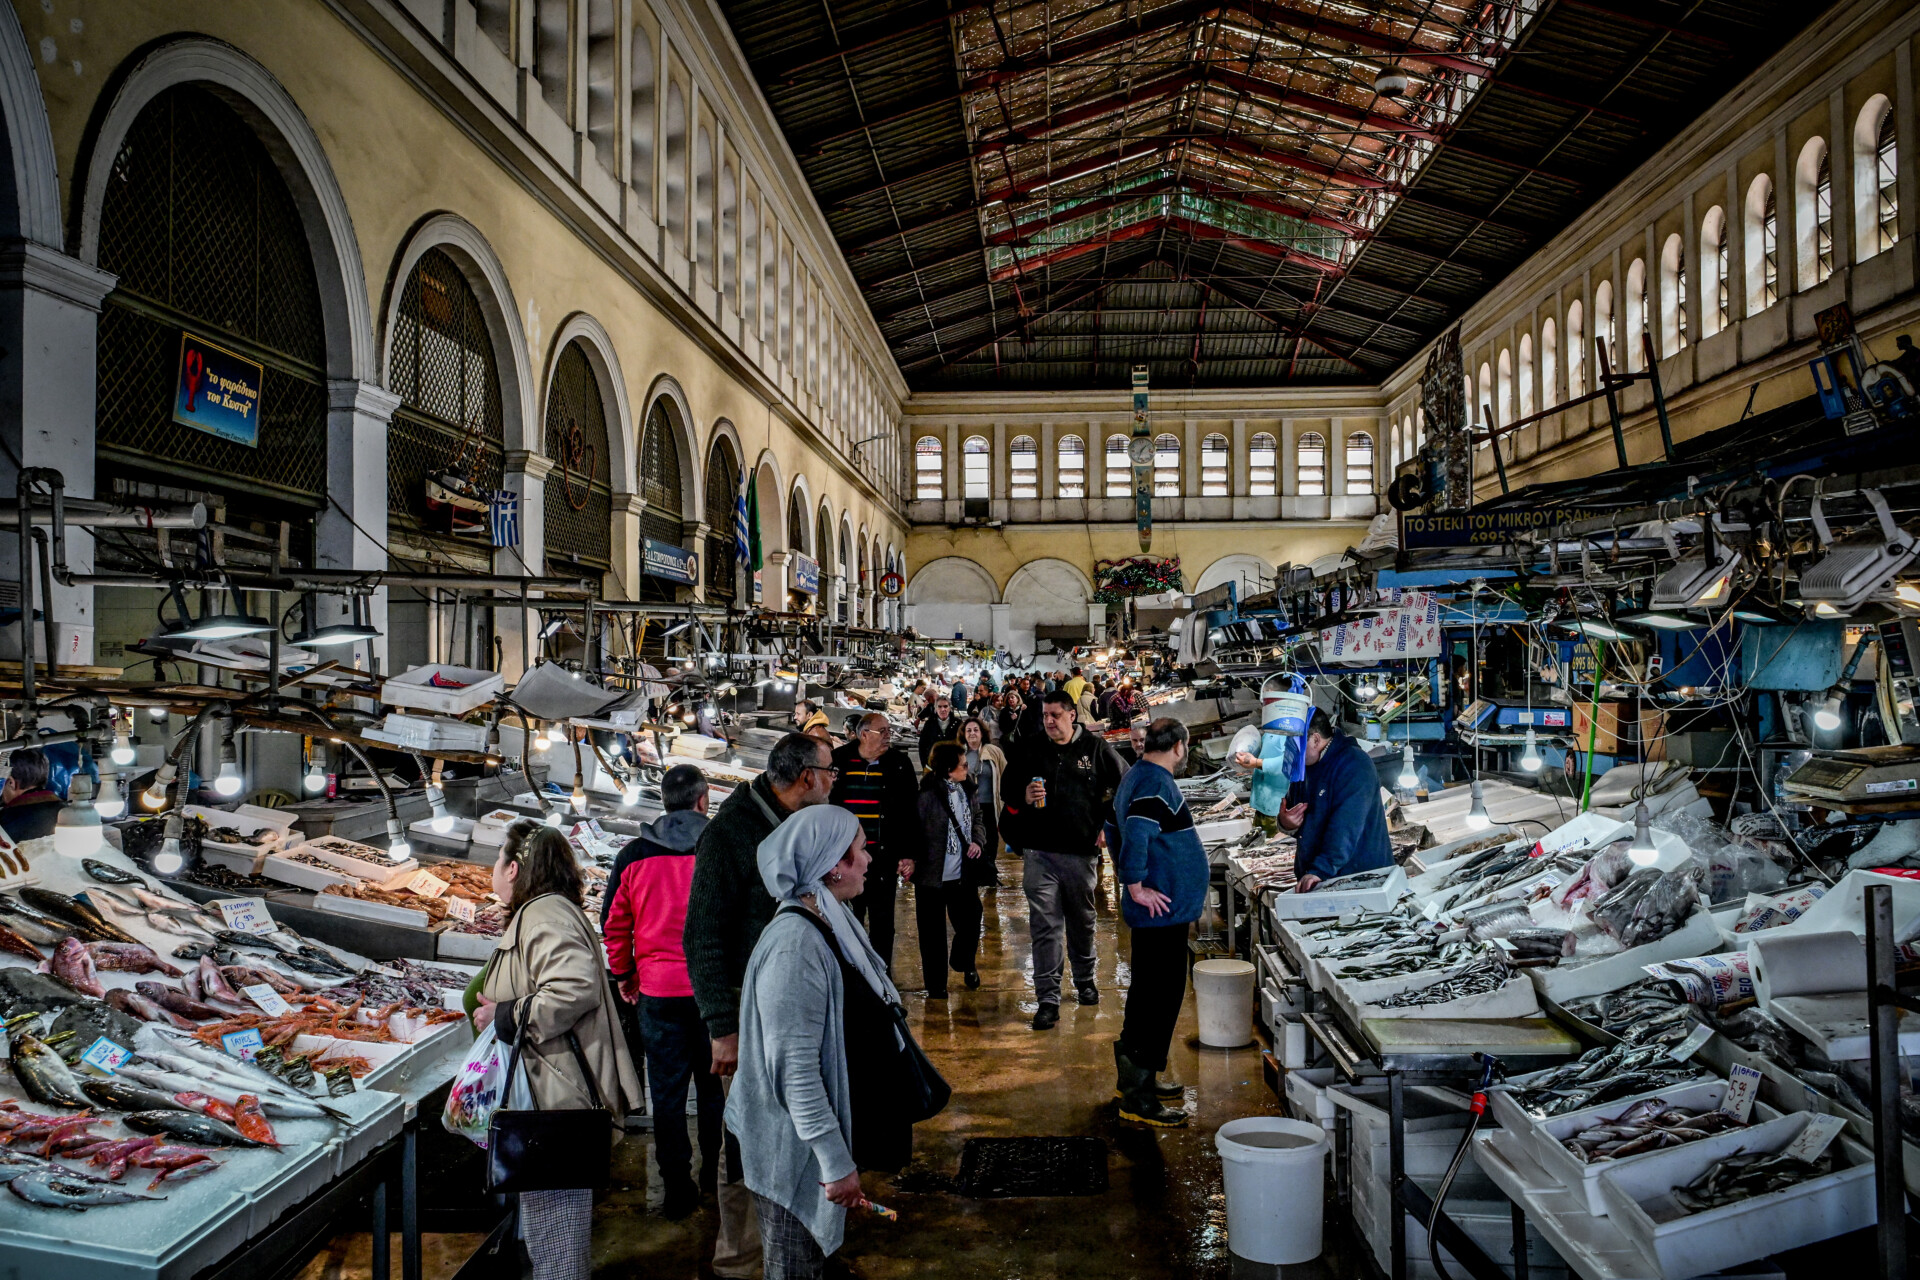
{"points": [[111, 802], [579, 796], [1477, 817], [1530, 758], [170, 859], [552, 818], [1409, 779], [442, 821], [155, 796], [1368, 690], [540, 739], [1642, 852], [630, 794], [1826, 717], [315, 780], [228, 781], [122, 753], [156, 713]]}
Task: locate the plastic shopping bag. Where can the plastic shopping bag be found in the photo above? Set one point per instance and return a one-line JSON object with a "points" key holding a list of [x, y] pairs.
{"points": [[478, 1088]]}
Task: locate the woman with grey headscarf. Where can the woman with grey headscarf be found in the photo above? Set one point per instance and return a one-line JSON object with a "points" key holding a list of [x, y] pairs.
{"points": [[791, 1106]]}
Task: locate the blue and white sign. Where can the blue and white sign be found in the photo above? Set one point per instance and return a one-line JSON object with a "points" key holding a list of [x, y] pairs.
{"points": [[806, 573], [217, 392], [665, 560], [503, 518]]}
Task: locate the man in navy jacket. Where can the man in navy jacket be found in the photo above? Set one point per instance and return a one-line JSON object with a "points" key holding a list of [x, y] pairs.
{"points": [[1336, 812]]}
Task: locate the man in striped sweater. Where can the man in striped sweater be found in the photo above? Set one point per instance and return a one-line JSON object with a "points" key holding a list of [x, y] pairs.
{"points": [[876, 784]]}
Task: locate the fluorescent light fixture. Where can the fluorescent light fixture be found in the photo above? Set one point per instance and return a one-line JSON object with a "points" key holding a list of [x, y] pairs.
{"points": [[337, 633], [1477, 817], [1759, 613], [1666, 621], [1530, 758], [1857, 566], [219, 626], [1642, 852], [1596, 628]]}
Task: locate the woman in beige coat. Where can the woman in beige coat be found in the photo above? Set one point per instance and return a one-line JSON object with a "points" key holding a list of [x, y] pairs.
{"points": [[547, 978]]}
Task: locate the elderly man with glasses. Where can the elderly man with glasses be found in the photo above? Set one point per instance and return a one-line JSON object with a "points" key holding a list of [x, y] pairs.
{"points": [[877, 784]]}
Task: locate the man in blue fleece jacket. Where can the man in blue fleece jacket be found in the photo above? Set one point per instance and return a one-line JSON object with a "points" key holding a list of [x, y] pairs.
{"points": [[1336, 812], [1158, 857]]}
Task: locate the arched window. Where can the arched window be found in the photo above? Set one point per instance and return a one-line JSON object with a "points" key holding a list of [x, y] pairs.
{"points": [[929, 474], [786, 303], [579, 490], [750, 265], [1467, 397], [1119, 468], [847, 582], [603, 76], [1166, 465], [796, 521], [1549, 364], [1673, 295], [1763, 248], [1503, 397], [863, 603], [703, 202], [442, 369], [1263, 465], [205, 237], [769, 277], [660, 497], [1714, 295], [1636, 317], [823, 552], [674, 164], [723, 489], [1073, 467], [1419, 427], [1813, 214], [1310, 470], [976, 468], [1213, 466], [640, 122], [1482, 409], [729, 230], [1576, 349], [1359, 463], [1876, 204], [1525, 395], [1603, 331], [1023, 468]]}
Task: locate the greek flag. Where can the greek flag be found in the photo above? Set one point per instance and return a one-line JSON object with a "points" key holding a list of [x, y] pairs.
{"points": [[503, 518], [740, 548]]}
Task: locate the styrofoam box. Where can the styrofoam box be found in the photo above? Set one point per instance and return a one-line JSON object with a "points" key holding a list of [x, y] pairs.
{"points": [[1563, 982], [414, 688], [423, 733], [300, 875], [1692, 1244], [361, 861], [1515, 998], [1333, 902], [1583, 1179], [1229, 829], [246, 819], [243, 864], [1522, 1123], [382, 912], [454, 945], [1306, 1089]]}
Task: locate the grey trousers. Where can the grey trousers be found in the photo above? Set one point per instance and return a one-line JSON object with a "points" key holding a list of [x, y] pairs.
{"points": [[1060, 900]]}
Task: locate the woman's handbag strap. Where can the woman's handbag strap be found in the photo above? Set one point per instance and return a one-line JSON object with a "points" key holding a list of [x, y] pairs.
{"points": [[586, 1072]]}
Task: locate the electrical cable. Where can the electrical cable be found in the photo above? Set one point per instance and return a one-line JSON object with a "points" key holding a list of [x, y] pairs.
{"points": [[1488, 1065]]}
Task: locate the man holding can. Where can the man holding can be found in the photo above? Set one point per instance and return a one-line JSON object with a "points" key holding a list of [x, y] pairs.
{"points": [[1058, 792]]}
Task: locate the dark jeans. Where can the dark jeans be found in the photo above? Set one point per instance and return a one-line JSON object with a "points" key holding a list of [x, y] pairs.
{"points": [[874, 909], [1159, 989], [678, 1051], [932, 908]]}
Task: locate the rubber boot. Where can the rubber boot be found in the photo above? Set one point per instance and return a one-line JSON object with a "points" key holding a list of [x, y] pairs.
{"points": [[1137, 1101], [1165, 1090]]}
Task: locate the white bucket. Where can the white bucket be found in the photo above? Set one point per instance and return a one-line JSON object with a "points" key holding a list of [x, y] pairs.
{"points": [[1276, 1183], [1223, 993], [1284, 711]]}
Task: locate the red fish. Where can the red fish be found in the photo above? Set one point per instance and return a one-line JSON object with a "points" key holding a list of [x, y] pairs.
{"points": [[129, 957], [11, 941], [113, 1156], [206, 1106], [251, 1121], [73, 964]]}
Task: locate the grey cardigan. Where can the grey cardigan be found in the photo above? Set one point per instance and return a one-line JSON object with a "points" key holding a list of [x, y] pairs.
{"points": [[789, 1103]]}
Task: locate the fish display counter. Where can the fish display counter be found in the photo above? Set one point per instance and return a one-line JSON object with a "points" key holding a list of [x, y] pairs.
{"points": [[192, 1073]]}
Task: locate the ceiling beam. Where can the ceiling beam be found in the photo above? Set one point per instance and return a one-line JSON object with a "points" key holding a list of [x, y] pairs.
{"points": [[1065, 252], [1153, 23], [1101, 157], [1267, 91], [1378, 41], [1299, 163], [794, 70], [847, 199], [899, 234]]}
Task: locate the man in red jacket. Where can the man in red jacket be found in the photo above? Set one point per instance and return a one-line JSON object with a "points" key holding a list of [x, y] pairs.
{"points": [[644, 921]]}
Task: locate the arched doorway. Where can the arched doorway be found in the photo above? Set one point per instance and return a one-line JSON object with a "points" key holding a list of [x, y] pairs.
{"points": [[723, 486], [661, 496], [952, 596], [579, 489], [1047, 598]]}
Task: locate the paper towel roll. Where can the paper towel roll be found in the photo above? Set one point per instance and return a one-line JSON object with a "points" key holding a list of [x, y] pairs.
{"points": [[1806, 964]]}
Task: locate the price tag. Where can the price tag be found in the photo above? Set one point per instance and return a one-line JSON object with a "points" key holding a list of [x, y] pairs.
{"points": [[1814, 1139], [1743, 1082], [268, 999], [104, 1055], [426, 884], [1432, 911], [246, 915], [461, 909], [1691, 1045], [242, 1044]]}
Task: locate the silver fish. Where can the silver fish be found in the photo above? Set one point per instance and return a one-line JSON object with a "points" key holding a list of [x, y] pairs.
{"points": [[63, 1189], [254, 1079]]}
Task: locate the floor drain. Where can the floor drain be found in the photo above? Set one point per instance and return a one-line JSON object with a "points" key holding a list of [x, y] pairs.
{"points": [[997, 1167]]}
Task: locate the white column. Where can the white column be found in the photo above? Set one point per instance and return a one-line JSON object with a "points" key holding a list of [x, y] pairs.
{"points": [[352, 532], [1000, 627], [49, 317], [1096, 622]]}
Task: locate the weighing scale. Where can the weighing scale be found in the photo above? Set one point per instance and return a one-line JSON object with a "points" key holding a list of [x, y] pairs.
{"points": [[1868, 777]]}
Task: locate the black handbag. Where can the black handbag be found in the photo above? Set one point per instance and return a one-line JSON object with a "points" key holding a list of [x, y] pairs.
{"points": [[561, 1150]]}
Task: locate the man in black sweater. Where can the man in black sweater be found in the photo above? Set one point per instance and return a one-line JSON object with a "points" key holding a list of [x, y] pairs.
{"points": [[877, 784], [1058, 792], [726, 911], [941, 726]]}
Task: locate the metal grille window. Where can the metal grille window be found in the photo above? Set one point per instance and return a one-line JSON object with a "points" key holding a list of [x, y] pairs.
{"points": [[205, 238], [1024, 468], [1166, 465], [1119, 468], [796, 523], [449, 421], [1213, 466], [579, 489], [723, 487], [1263, 462], [660, 494], [1886, 174], [929, 481], [977, 473], [847, 583], [1073, 467], [1312, 462], [1359, 463]]}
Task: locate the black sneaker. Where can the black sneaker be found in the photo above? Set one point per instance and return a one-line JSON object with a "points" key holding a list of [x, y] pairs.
{"points": [[1088, 995], [682, 1199], [972, 979], [1046, 1017]]}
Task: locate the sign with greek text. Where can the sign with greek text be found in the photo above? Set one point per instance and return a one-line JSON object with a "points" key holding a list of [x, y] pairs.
{"points": [[242, 1044], [217, 392], [665, 560], [806, 573], [246, 915], [270, 1001], [105, 1055], [1479, 528]]}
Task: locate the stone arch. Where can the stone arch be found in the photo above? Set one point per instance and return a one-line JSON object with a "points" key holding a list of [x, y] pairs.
{"points": [[1045, 592], [800, 496], [770, 495], [623, 432], [952, 596], [30, 180], [667, 393], [463, 243], [251, 90], [1244, 570]]}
